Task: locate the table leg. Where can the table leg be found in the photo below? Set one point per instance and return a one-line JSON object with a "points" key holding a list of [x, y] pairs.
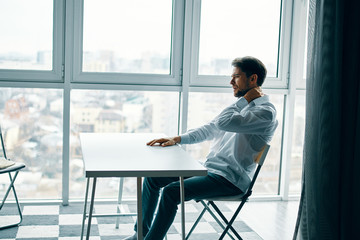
{"points": [[139, 210], [85, 206], [182, 199], [91, 208]]}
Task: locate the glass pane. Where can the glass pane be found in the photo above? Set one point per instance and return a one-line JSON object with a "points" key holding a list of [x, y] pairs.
{"points": [[26, 34], [297, 145], [116, 111], [32, 122], [203, 107], [131, 36], [237, 28]]}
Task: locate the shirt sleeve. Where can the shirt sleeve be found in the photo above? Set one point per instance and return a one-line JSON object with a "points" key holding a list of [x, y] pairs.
{"points": [[203, 133], [255, 120]]}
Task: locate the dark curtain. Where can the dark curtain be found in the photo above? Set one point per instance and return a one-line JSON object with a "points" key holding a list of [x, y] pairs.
{"points": [[330, 199]]}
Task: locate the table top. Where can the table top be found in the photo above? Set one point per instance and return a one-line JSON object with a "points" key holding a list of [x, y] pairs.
{"points": [[127, 155]]}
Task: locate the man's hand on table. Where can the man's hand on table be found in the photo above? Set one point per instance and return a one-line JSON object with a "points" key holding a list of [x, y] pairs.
{"points": [[164, 142]]}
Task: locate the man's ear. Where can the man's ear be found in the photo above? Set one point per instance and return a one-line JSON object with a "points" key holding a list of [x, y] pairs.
{"points": [[254, 78]]}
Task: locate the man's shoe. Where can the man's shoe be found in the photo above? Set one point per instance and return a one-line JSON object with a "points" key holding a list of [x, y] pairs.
{"points": [[133, 237]]}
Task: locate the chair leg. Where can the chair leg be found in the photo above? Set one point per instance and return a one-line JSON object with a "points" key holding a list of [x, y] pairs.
{"points": [[11, 186], [12, 180], [207, 208], [222, 217], [196, 223], [85, 208], [229, 223]]}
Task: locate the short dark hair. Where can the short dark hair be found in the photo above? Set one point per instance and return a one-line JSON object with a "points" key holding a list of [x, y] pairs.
{"points": [[250, 66]]}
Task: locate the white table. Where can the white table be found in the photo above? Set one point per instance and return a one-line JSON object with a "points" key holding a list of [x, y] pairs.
{"points": [[127, 155]]}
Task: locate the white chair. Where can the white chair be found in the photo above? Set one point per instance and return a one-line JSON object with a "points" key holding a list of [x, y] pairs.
{"points": [[13, 171], [239, 198]]}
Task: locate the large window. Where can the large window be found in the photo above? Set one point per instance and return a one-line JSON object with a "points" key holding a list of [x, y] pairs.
{"points": [[72, 66], [128, 42], [132, 36], [241, 28]]}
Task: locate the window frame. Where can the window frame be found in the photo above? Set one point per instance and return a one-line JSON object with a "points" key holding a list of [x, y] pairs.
{"points": [[174, 78], [281, 81]]}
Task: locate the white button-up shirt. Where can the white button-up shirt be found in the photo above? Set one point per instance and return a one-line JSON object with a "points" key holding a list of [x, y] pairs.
{"points": [[238, 133]]}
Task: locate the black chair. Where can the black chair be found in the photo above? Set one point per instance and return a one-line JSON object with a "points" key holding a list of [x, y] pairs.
{"points": [[13, 171], [239, 198]]}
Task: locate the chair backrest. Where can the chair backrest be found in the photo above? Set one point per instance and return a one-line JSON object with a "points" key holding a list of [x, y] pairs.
{"points": [[260, 158], [260, 161], [2, 143]]}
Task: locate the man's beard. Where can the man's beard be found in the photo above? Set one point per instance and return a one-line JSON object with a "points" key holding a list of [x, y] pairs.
{"points": [[241, 93]]}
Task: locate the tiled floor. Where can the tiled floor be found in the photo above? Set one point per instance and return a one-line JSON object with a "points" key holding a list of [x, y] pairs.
{"points": [[48, 222]]}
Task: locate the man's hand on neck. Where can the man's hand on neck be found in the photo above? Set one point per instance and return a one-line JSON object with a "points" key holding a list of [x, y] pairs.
{"points": [[253, 94]]}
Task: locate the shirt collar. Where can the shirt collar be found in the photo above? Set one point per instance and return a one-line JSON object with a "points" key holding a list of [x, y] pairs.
{"points": [[261, 100]]}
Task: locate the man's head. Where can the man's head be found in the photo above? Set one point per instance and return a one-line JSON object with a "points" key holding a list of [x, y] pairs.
{"points": [[248, 73]]}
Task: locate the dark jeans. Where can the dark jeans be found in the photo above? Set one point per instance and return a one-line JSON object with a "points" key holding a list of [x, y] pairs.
{"points": [[155, 228]]}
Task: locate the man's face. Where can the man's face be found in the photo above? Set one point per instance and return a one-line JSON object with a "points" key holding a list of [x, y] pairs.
{"points": [[239, 82]]}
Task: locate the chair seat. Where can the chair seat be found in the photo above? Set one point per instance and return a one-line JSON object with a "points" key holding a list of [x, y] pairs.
{"points": [[17, 166], [227, 198]]}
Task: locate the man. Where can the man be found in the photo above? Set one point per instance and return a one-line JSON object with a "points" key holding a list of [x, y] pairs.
{"points": [[238, 134]]}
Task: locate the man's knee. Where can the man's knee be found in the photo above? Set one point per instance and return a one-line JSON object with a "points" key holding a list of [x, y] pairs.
{"points": [[171, 193], [154, 183], [150, 182]]}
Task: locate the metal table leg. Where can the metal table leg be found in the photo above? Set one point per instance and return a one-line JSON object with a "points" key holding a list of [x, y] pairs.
{"points": [[91, 209], [139, 210], [85, 207], [182, 199]]}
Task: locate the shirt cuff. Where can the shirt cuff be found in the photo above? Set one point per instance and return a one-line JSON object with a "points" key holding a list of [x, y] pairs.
{"points": [[241, 102], [185, 139]]}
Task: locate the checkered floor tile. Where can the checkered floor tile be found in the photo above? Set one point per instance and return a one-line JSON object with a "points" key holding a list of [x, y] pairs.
{"points": [[59, 222]]}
